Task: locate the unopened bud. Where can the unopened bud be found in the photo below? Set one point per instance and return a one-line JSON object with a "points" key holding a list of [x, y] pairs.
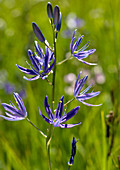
{"points": [[49, 10], [56, 15], [58, 26], [37, 32]]}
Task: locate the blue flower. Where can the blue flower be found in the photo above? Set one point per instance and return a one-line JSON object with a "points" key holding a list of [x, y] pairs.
{"points": [[81, 53], [83, 95], [73, 152], [57, 119], [16, 114], [41, 63]]}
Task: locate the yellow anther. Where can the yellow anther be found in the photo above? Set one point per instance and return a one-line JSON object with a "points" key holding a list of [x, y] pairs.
{"points": [[53, 102], [60, 101]]}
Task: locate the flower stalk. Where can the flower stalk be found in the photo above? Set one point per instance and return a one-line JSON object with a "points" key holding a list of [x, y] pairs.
{"points": [[36, 128]]}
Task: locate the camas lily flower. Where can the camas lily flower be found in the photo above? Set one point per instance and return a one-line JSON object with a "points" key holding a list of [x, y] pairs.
{"points": [[16, 114], [81, 53], [83, 95], [40, 62], [57, 119]]}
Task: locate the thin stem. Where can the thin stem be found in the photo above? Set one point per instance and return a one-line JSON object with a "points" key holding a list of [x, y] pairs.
{"points": [[36, 128], [48, 82], [69, 101], [49, 161], [54, 70], [48, 46], [48, 140], [69, 167], [63, 61]]}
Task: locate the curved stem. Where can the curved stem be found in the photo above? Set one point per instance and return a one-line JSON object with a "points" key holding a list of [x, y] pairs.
{"points": [[36, 128], [48, 81], [63, 61], [69, 101], [48, 140]]}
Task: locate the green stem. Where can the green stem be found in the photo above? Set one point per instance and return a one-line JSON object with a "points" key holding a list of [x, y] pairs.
{"points": [[48, 140], [69, 101], [54, 70], [48, 46], [36, 128], [50, 130], [48, 82], [63, 61], [69, 167]]}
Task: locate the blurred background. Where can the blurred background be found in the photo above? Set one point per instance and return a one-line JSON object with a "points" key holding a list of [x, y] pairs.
{"points": [[21, 146]]}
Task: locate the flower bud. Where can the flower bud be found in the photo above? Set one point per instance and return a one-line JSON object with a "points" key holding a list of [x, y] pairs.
{"points": [[49, 10], [38, 33], [56, 15], [58, 26]]}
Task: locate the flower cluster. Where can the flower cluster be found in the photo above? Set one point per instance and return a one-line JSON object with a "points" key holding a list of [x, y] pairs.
{"points": [[41, 63], [81, 53], [16, 114], [83, 95], [57, 119]]}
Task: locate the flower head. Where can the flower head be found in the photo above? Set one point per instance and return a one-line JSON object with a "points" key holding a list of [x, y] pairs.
{"points": [[73, 152], [57, 119], [81, 53], [83, 95], [16, 114], [41, 63]]}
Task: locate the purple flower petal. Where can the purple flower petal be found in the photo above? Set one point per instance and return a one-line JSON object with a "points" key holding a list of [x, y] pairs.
{"points": [[39, 50], [88, 104], [76, 83], [11, 119], [48, 110], [85, 62], [77, 43], [33, 78], [20, 104], [33, 60], [45, 118], [59, 108], [25, 70], [79, 84], [71, 45], [70, 114], [69, 125], [46, 62], [50, 68], [87, 95], [11, 109]]}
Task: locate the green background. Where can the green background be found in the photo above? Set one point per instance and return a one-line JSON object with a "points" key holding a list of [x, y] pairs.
{"points": [[21, 146]]}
